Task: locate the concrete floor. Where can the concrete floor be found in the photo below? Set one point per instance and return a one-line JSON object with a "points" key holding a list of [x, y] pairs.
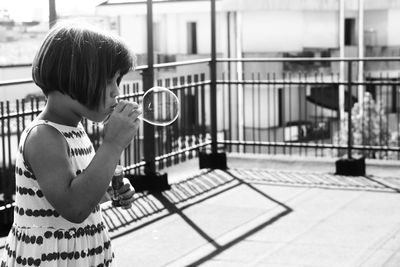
{"points": [[266, 211], [263, 211]]}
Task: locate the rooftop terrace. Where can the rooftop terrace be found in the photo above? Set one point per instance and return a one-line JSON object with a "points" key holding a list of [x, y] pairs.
{"points": [[264, 211]]}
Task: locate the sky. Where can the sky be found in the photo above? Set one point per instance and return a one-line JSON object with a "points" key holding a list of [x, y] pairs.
{"points": [[29, 10]]}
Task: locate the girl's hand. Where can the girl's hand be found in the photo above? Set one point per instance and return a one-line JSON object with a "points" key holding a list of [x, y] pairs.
{"points": [[123, 124], [125, 194]]}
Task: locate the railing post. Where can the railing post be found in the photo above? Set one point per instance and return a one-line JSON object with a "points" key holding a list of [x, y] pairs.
{"points": [[52, 13], [214, 160], [213, 78], [349, 106], [350, 166], [150, 180]]}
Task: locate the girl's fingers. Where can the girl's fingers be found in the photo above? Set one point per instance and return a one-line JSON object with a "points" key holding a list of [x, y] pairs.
{"points": [[124, 189], [127, 196], [127, 207]]}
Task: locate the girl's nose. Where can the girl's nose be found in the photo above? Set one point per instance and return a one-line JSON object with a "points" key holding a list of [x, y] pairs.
{"points": [[115, 92]]}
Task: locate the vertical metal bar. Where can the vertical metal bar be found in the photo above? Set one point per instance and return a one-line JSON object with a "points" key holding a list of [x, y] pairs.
{"points": [[349, 100], [148, 82], [183, 128], [177, 124], [8, 134], [253, 110], [230, 126], [52, 13], [306, 112], [3, 145], [300, 91], [160, 130], [213, 76], [23, 112], [268, 111], [397, 115], [223, 85], [203, 108], [242, 104], [191, 107], [259, 109], [138, 142], [196, 111], [168, 133], [239, 133], [290, 109], [318, 96], [17, 119]]}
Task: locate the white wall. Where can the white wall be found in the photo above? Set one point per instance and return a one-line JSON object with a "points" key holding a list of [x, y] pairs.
{"points": [[270, 31], [173, 32], [276, 31], [376, 26], [393, 27], [133, 30], [320, 29]]}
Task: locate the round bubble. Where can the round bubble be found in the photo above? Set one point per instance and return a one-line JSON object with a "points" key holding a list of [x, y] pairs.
{"points": [[160, 106]]}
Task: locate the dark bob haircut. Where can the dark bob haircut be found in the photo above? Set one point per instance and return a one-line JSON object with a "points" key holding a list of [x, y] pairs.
{"points": [[78, 60]]}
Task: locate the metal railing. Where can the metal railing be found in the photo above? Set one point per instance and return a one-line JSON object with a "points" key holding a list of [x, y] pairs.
{"points": [[299, 112], [257, 111], [176, 143]]}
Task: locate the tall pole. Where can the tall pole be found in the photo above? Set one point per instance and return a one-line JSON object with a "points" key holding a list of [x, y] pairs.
{"points": [[213, 76], [52, 13], [360, 93], [148, 82], [239, 69], [341, 63]]}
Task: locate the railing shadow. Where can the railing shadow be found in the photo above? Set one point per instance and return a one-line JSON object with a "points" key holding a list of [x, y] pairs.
{"points": [[182, 196], [319, 180], [209, 184]]}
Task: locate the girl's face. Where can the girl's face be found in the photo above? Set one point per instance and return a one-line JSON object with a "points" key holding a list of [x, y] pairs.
{"points": [[107, 106]]}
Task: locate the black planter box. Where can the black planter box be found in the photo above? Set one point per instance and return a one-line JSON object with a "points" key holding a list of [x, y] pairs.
{"points": [[351, 167], [156, 182], [212, 161]]}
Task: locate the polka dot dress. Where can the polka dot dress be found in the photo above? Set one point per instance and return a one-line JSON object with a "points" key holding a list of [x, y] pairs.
{"points": [[39, 235]]}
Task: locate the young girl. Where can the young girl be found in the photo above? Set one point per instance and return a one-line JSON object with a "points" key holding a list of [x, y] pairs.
{"points": [[60, 180]]}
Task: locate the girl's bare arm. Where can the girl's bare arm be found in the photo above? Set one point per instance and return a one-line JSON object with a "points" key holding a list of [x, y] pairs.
{"points": [[75, 196]]}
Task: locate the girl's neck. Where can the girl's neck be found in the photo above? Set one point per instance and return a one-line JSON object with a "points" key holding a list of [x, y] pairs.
{"points": [[61, 109]]}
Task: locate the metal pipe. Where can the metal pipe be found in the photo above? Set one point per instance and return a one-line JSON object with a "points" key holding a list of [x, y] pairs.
{"points": [[148, 82], [360, 93], [52, 13], [213, 76], [349, 100], [342, 62]]}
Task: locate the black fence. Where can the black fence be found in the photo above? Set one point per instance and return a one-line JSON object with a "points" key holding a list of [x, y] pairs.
{"points": [[303, 112], [306, 112]]}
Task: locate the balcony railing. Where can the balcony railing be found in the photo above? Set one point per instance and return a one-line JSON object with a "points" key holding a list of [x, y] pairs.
{"points": [[257, 112]]}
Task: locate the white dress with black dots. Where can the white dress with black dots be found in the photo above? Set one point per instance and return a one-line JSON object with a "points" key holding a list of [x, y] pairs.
{"points": [[39, 235]]}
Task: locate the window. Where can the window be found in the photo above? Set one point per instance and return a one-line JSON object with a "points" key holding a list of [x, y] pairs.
{"points": [[192, 38], [350, 31]]}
